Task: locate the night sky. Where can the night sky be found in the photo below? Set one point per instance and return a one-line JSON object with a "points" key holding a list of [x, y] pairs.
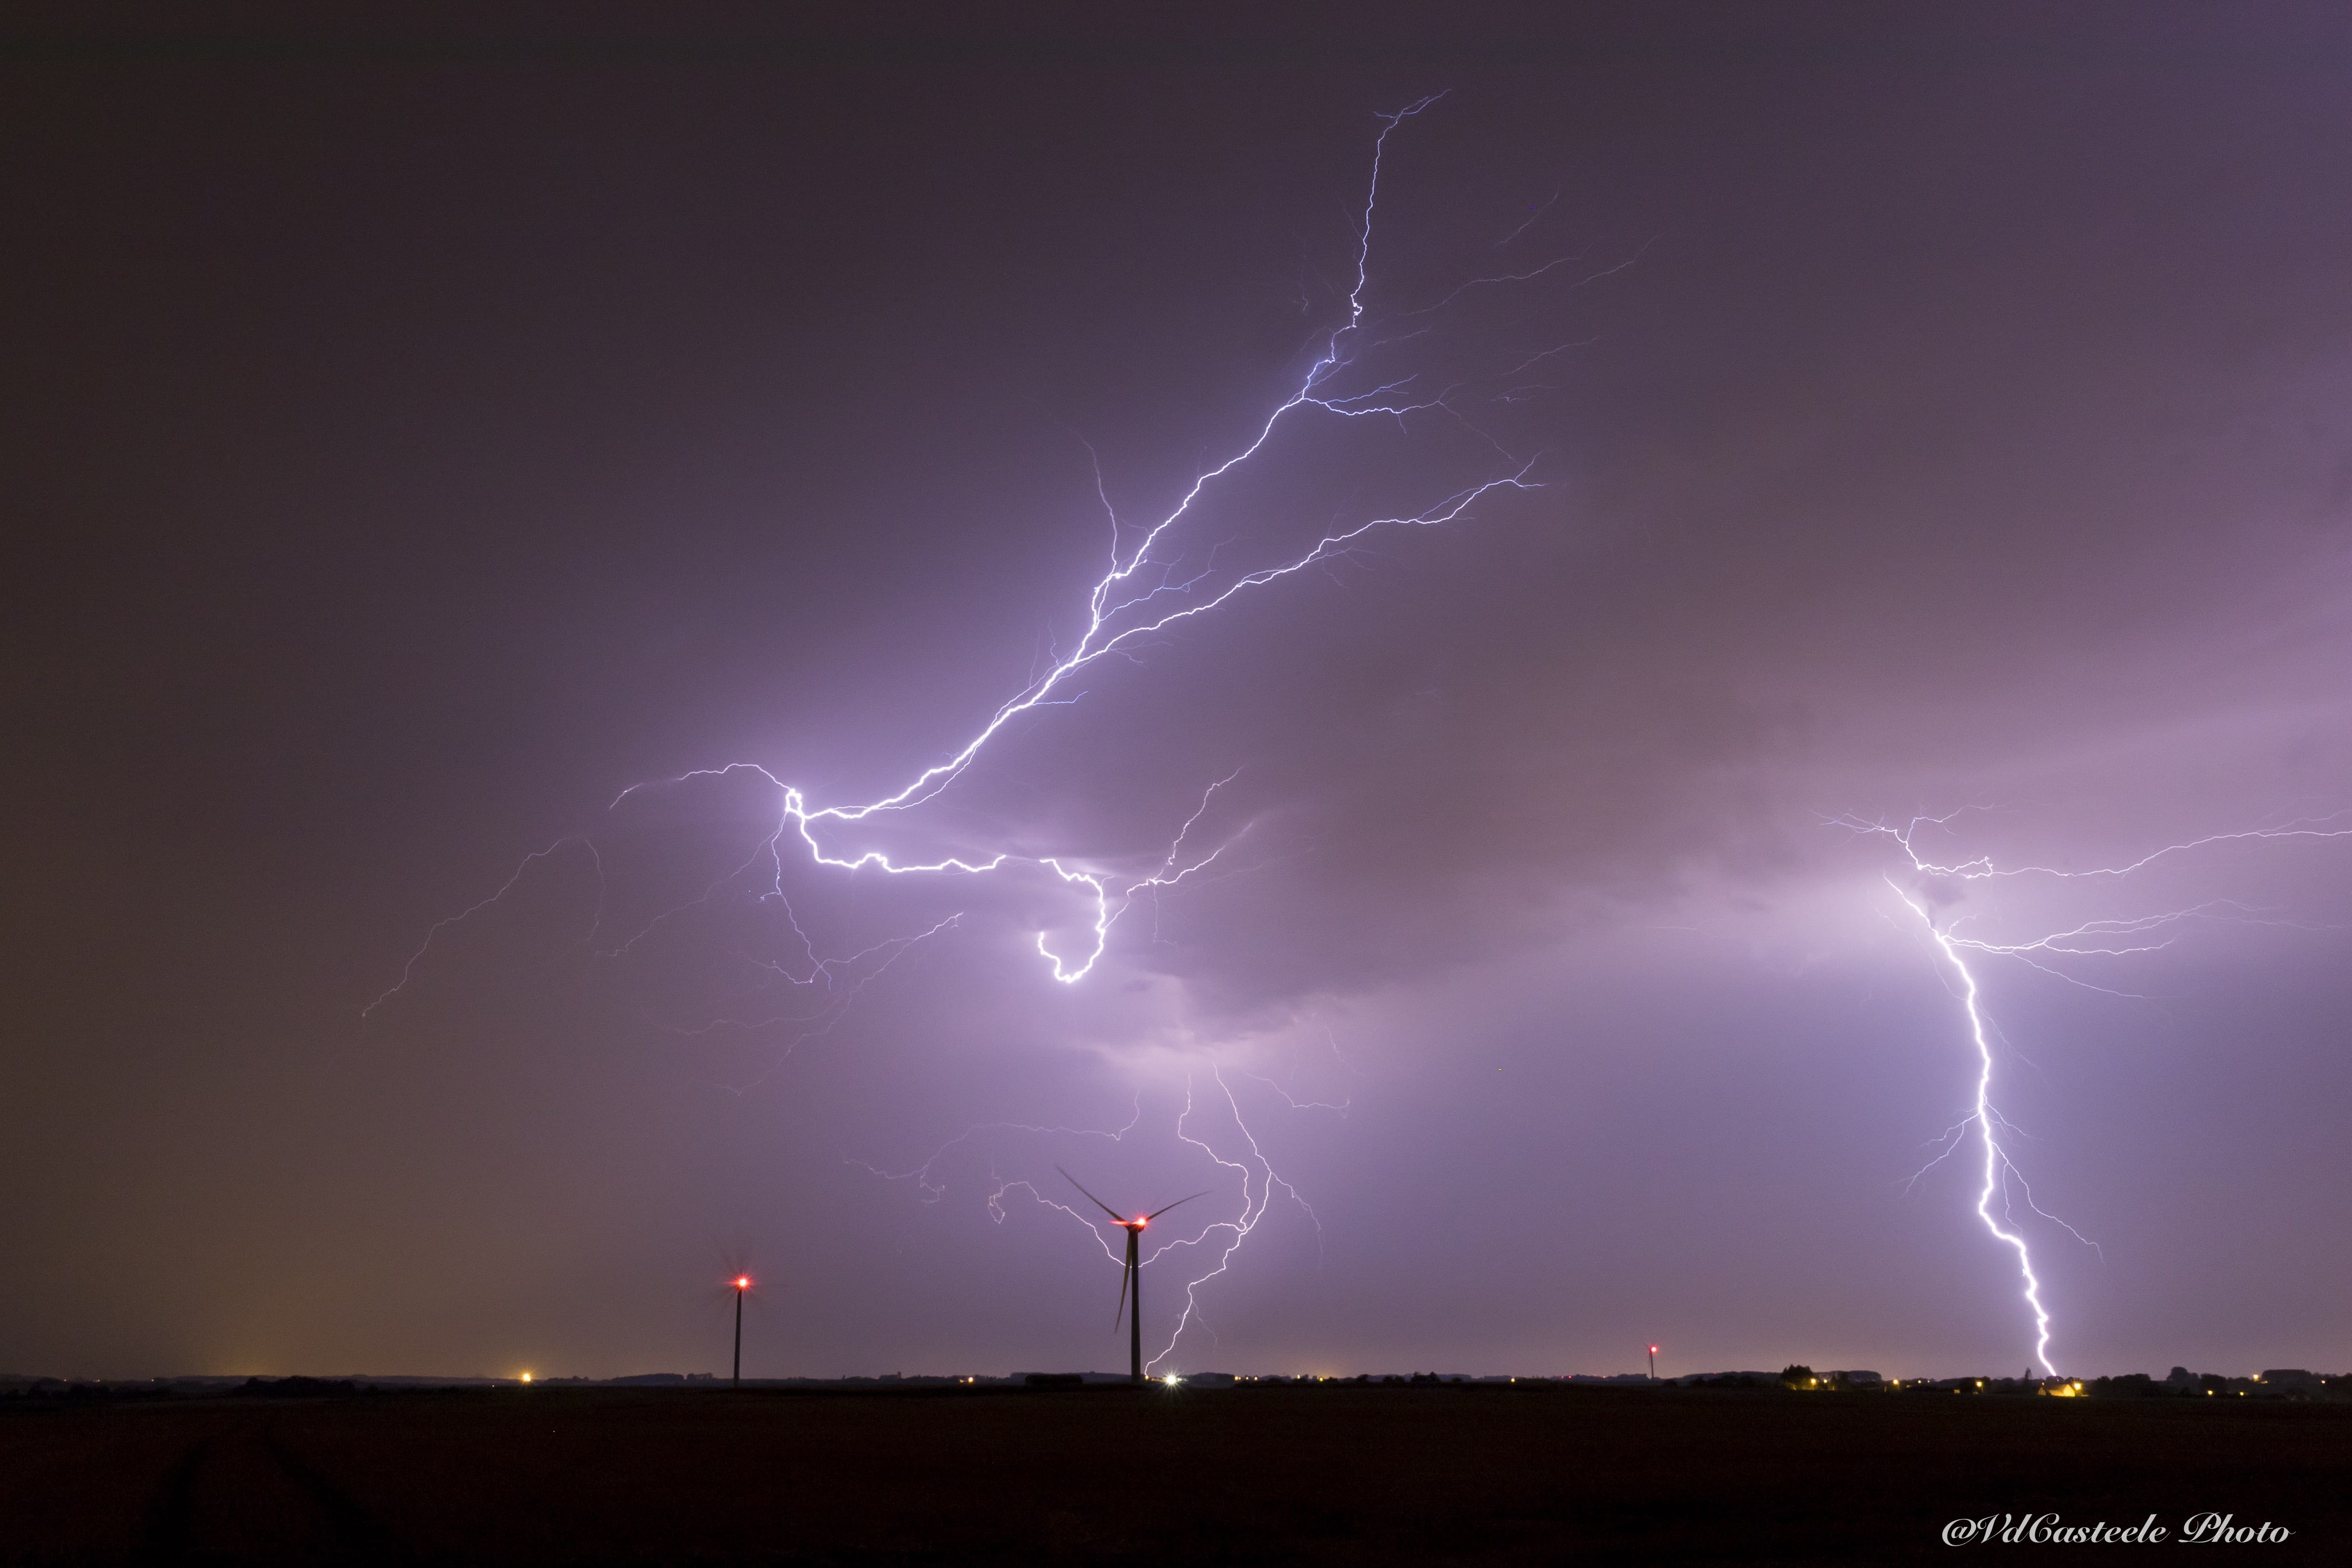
{"points": [[414, 441]]}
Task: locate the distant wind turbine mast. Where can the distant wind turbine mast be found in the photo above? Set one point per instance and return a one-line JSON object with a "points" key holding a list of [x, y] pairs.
{"points": [[742, 1285], [1131, 1283]]}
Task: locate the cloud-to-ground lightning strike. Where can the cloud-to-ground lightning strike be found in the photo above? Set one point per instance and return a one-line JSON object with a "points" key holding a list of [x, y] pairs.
{"points": [[1982, 1118], [1253, 1208], [1138, 596], [2111, 937]]}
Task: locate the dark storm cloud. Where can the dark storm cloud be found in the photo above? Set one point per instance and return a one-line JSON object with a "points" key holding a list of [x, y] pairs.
{"points": [[417, 450], [2090, 430]]}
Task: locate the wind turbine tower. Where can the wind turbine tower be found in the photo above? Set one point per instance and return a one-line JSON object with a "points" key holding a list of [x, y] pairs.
{"points": [[742, 1283], [1131, 1283]]}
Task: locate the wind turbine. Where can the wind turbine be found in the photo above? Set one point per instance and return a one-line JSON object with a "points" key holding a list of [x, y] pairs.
{"points": [[1131, 1283]]}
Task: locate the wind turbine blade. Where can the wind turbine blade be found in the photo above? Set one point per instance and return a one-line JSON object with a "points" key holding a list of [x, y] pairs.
{"points": [[1158, 1212], [1122, 1301], [1116, 1215]]}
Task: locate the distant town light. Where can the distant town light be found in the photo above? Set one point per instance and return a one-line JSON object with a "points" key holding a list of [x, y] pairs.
{"points": [[526, 1377]]}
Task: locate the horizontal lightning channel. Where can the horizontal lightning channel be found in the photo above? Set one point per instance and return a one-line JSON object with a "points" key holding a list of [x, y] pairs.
{"points": [[1133, 601]]}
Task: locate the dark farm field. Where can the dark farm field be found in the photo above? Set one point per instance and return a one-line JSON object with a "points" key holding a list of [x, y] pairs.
{"points": [[1304, 1475]]}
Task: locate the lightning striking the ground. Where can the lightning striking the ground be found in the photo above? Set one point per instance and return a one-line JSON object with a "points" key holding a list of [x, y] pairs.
{"points": [[1255, 1168], [1932, 884]]}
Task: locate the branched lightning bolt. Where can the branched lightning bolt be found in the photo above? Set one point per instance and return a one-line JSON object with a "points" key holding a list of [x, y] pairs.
{"points": [[1218, 1240], [933, 1191], [1996, 1160], [1257, 1169], [1137, 597], [2110, 937]]}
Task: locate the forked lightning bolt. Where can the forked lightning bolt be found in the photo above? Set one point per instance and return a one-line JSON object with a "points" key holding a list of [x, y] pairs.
{"points": [[2111, 937], [1235, 1231], [1995, 1158], [1137, 598]]}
